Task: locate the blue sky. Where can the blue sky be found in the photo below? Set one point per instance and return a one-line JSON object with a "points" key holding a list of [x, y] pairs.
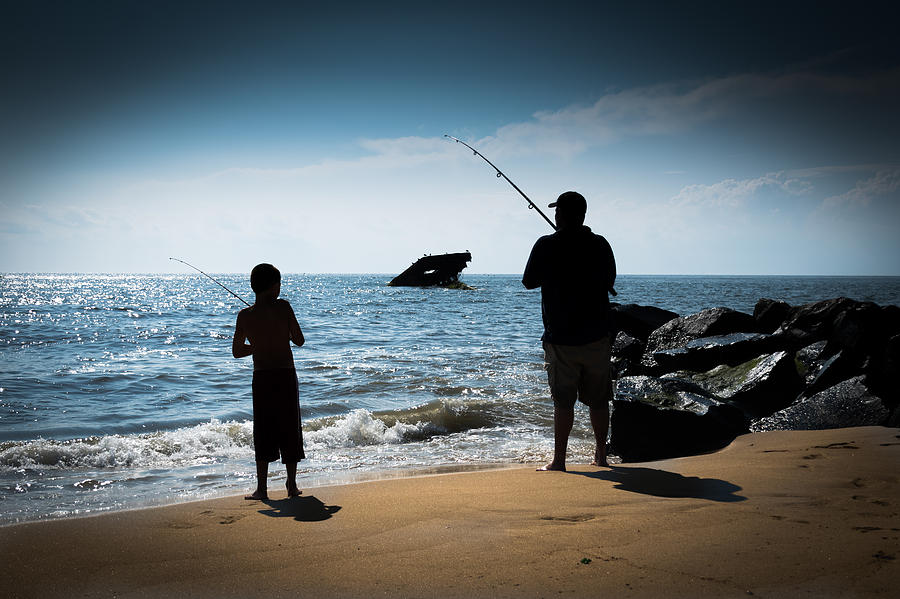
{"points": [[708, 139]]}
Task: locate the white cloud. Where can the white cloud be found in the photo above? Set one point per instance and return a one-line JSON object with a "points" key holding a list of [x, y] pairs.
{"points": [[883, 184], [734, 192], [671, 108]]}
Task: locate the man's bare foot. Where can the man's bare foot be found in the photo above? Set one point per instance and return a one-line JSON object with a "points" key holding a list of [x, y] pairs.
{"points": [[552, 467], [600, 460], [293, 490], [257, 495]]}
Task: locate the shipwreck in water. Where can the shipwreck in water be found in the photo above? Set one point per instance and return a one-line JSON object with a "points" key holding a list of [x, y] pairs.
{"points": [[434, 271]]}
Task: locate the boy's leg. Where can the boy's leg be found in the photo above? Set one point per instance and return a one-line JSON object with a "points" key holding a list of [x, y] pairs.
{"points": [[262, 473], [291, 484]]}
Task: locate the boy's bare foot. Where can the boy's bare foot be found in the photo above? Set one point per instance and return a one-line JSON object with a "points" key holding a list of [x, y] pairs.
{"points": [[257, 495], [293, 490], [551, 467]]}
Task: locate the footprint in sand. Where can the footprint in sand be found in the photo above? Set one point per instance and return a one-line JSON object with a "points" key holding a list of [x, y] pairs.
{"points": [[874, 529], [573, 518], [842, 445], [206, 514], [786, 519]]}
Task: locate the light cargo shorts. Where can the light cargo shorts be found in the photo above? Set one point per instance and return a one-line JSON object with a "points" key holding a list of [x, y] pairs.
{"points": [[579, 372]]}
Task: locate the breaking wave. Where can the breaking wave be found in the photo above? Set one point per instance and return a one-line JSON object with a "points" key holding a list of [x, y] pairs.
{"points": [[216, 441], [200, 444], [362, 427]]}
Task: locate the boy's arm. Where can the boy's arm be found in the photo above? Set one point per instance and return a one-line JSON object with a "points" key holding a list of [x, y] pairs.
{"points": [[239, 349], [296, 333]]}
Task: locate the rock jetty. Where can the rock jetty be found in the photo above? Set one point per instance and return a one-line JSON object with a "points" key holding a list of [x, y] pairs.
{"points": [[691, 384]]}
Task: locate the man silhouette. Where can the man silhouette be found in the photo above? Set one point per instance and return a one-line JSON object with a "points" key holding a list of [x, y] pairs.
{"points": [[575, 268]]}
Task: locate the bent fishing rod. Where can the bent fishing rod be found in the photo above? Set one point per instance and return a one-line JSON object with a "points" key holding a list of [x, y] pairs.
{"points": [[213, 279], [531, 205]]}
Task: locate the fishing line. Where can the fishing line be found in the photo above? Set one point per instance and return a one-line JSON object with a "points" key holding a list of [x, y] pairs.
{"points": [[213, 279], [531, 205]]}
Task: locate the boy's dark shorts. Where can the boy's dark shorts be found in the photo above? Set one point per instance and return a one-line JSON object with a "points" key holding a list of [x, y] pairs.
{"points": [[276, 416], [579, 372]]}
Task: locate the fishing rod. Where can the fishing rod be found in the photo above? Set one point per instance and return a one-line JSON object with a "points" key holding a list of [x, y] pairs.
{"points": [[213, 280], [531, 205]]}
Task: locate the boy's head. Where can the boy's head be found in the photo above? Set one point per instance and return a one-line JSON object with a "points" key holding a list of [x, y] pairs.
{"points": [[263, 277]]}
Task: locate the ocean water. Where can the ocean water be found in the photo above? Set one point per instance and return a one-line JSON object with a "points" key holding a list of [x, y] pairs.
{"points": [[120, 391]]}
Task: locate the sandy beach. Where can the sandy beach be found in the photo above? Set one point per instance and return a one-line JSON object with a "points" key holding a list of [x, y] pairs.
{"points": [[778, 514]]}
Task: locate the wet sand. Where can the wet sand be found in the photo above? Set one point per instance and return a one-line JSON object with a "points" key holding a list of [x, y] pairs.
{"points": [[780, 514]]}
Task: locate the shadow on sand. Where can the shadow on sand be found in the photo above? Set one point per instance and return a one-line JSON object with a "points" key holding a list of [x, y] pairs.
{"points": [[304, 509], [661, 483]]}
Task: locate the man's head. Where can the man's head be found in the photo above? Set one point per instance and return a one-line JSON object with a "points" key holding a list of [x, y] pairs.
{"points": [[263, 277], [570, 209]]}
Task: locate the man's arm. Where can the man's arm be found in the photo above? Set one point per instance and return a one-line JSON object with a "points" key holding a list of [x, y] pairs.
{"points": [[610, 267], [534, 271], [239, 349]]}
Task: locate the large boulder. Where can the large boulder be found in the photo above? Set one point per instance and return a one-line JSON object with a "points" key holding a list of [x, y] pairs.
{"points": [[815, 321], [849, 403], [759, 386], [863, 329], [770, 314], [882, 370], [841, 366], [810, 361], [639, 321], [626, 355], [701, 354], [656, 419], [708, 323]]}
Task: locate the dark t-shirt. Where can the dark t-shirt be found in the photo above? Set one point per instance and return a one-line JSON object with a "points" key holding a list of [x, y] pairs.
{"points": [[574, 269]]}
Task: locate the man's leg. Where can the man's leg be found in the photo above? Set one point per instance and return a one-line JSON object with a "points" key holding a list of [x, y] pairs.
{"points": [[562, 377], [600, 424], [291, 484], [597, 387], [563, 419], [262, 473]]}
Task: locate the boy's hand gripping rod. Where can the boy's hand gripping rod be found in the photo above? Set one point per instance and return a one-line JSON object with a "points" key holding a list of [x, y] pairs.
{"points": [[531, 205], [213, 280]]}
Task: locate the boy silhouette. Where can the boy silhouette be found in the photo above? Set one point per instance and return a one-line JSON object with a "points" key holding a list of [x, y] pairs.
{"points": [[270, 326]]}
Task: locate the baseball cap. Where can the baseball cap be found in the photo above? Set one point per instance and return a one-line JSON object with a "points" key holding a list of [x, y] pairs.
{"points": [[570, 201]]}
